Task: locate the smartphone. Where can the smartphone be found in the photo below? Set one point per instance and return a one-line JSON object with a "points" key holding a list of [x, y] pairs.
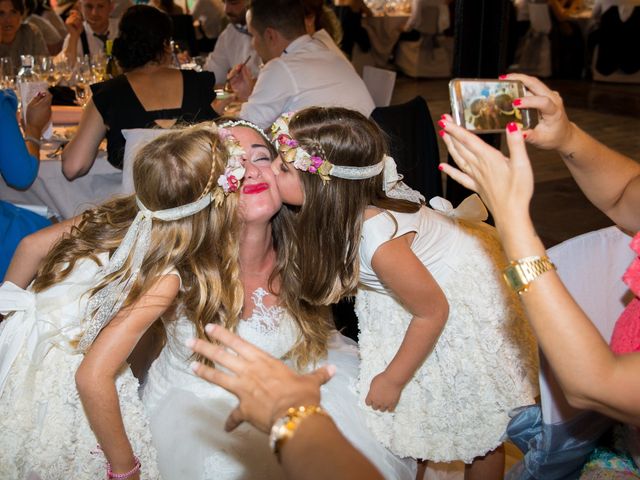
{"points": [[486, 105]]}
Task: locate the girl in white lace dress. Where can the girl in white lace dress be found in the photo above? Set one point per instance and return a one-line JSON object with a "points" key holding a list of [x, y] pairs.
{"points": [[445, 352], [188, 414], [101, 286]]}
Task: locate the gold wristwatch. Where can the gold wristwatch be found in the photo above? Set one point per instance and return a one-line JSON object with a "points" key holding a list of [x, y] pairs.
{"points": [[520, 273], [285, 427]]}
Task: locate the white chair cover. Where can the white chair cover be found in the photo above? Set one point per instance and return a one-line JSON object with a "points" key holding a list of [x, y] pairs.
{"points": [[380, 83]]}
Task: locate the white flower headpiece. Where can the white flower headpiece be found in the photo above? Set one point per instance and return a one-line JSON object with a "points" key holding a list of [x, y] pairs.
{"points": [[291, 152]]}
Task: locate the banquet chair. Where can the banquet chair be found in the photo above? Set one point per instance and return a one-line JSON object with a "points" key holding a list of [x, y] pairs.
{"points": [[380, 83], [432, 55], [413, 144], [534, 56], [556, 437]]}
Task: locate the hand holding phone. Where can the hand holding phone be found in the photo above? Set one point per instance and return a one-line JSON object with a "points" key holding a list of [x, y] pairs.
{"points": [[486, 105]]}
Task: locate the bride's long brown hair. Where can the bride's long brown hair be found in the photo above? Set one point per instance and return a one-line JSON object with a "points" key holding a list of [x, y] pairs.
{"points": [[174, 169]]}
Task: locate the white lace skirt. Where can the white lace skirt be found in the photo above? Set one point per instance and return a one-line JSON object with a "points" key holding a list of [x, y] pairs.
{"points": [[44, 432], [484, 364]]}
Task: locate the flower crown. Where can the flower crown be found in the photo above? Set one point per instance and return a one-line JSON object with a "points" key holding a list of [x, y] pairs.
{"points": [[292, 152], [229, 181]]}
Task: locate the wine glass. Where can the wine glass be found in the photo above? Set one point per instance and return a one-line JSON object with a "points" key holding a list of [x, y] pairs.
{"points": [[7, 73]]}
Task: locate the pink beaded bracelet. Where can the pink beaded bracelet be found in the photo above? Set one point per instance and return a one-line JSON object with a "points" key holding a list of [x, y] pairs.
{"points": [[133, 471]]}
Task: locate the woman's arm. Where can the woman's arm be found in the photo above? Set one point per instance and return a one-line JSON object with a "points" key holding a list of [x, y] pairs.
{"points": [[266, 388], [38, 115], [32, 250], [616, 193], [590, 375], [96, 376], [80, 153], [400, 270]]}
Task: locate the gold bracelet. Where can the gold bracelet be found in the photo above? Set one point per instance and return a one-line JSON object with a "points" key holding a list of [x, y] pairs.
{"points": [[285, 427], [520, 273]]}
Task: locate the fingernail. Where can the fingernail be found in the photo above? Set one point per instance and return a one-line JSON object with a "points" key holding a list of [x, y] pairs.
{"points": [[194, 366], [441, 133], [331, 369], [512, 127], [442, 123], [209, 327], [443, 116], [517, 102], [440, 167], [502, 77], [525, 135], [190, 342]]}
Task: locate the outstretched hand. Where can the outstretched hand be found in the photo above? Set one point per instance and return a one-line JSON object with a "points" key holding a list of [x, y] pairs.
{"points": [[504, 183], [265, 386]]}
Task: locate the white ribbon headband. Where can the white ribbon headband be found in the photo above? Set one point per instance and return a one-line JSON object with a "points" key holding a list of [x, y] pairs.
{"points": [[107, 302]]}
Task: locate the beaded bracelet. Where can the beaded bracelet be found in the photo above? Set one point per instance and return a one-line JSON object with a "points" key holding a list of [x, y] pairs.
{"points": [[284, 428], [133, 471]]}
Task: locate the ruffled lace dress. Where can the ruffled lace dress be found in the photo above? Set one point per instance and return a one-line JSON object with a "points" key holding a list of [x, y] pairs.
{"points": [[43, 429], [485, 361], [188, 413]]}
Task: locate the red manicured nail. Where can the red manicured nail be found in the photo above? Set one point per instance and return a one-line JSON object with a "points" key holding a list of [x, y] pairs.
{"points": [[440, 167], [442, 123], [512, 127], [502, 77], [525, 135], [517, 102], [441, 133]]}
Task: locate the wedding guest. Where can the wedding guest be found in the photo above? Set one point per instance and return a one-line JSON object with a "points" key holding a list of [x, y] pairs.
{"points": [[267, 390], [19, 167], [233, 46], [150, 92], [52, 38], [606, 379], [319, 17], [299, 71], [18, 38], [89, 27], [167, 6]]}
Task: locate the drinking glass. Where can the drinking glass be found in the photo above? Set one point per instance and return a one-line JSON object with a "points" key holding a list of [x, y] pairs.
{"points": [[7, 73]]}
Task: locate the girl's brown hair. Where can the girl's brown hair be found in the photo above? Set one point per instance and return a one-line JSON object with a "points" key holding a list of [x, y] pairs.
{"points": [[332, 214], [173, 170]]}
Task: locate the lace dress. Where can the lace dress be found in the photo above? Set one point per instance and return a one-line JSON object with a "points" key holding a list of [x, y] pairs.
{"points": [[484, 363], [43, 428], [188, 413]]}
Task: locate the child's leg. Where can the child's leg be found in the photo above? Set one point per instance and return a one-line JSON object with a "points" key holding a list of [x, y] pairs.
{"points": [[489, 467], [422, 468]]}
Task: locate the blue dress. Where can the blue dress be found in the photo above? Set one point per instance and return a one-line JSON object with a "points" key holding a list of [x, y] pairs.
{"points": [[19, 170]]}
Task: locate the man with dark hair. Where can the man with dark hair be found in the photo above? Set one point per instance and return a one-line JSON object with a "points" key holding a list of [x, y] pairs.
{"points": [[299, 71], [234, 44]]}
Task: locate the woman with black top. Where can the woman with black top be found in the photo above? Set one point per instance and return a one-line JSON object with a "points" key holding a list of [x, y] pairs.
{"points": [[149, 94]]}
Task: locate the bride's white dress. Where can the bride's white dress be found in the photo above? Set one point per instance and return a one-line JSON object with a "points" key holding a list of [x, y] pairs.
{"points": [[188, 414]]}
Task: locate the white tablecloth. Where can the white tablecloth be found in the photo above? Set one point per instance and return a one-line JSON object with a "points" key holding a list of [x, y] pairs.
{"points": [[67, 199]]}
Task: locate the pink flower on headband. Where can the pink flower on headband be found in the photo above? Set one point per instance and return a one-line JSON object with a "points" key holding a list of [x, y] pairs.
{"points": [[316, 162], [233, 182]]}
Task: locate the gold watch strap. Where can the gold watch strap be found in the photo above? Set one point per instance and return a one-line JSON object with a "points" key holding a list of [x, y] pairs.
{"points": [[520, 273]]}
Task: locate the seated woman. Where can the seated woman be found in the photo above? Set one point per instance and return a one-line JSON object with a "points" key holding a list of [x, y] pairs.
{"points": [[149, 93], [19, 167], [17, 38]]}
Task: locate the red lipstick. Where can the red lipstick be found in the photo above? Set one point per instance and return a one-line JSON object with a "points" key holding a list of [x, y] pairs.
{"points": [[255, 188]]}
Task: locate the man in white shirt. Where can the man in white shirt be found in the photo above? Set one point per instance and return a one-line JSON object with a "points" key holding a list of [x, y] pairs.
{"points": [[299, 71], [234, 44], [89, 28]]}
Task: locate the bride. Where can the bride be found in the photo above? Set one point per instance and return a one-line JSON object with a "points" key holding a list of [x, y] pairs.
{"points": [[187, 414]]}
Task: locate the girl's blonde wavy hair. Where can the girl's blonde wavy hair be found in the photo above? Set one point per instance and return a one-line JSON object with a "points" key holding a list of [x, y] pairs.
{"points": [[174, 169]]}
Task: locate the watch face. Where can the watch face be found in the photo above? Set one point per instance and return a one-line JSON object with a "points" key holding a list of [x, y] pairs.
{"points": [[513, 278]]}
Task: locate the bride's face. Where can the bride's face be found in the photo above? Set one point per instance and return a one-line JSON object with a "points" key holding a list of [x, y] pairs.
{"points": [[289, 183], [259, 196]]}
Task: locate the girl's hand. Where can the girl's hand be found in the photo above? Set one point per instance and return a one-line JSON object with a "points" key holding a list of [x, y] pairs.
{"points": [[384, 393], [554, 128], [38, 114], [505, 184]]}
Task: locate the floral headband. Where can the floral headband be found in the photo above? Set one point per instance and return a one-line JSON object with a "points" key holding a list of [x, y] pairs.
{"points": [[291, 152], [229, 181]]}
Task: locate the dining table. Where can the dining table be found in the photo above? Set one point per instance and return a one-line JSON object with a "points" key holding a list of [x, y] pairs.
{"points": [[384, 30], [51, 191]]}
